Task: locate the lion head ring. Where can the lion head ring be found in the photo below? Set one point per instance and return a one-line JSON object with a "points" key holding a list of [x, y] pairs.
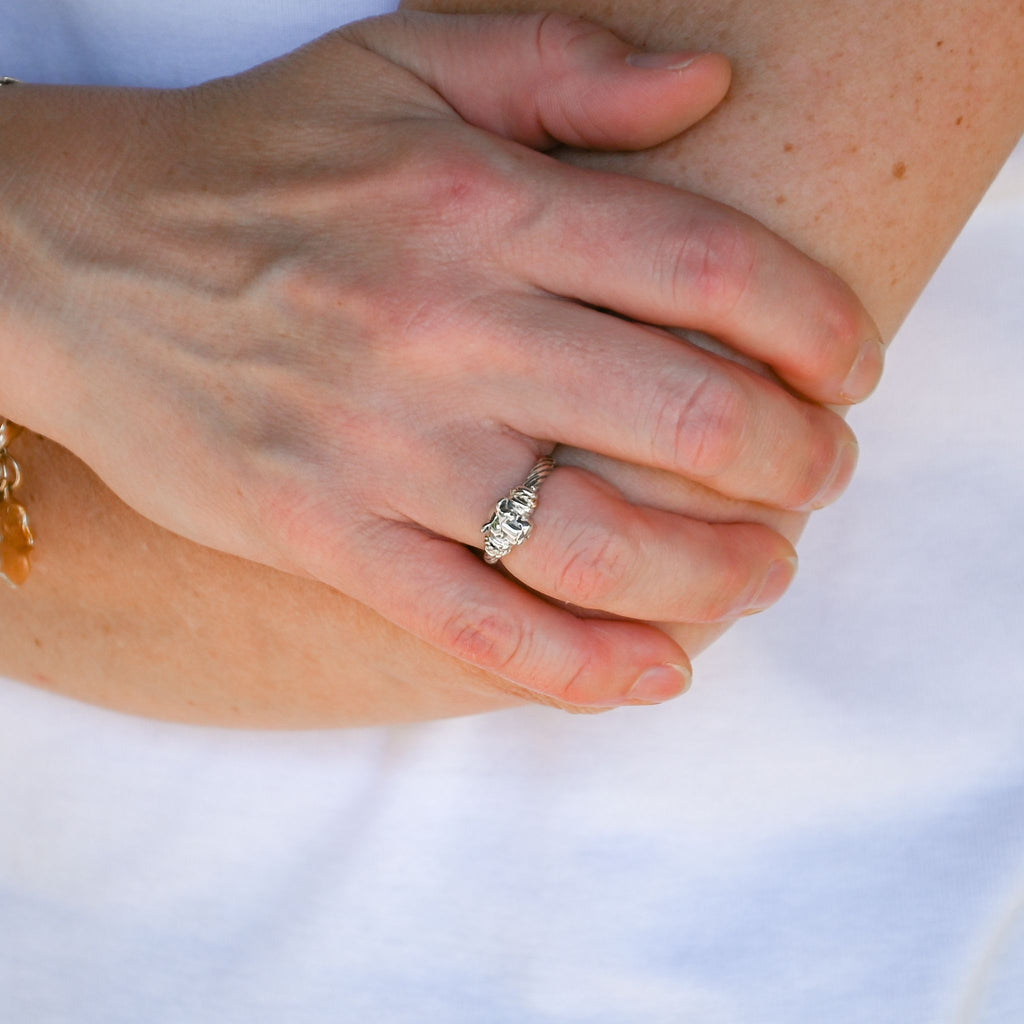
{"points": [[510, 525]]}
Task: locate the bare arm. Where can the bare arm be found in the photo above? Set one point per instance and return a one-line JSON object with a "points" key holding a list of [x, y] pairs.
{"points": [[864, 133], [311, 327], [867, 146]]}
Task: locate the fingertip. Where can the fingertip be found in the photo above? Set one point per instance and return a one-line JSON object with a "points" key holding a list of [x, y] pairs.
{"points": [[675, 90], [651, 668], [660, 683], [776, 582], [717, 69], [652, 61], [838, 477], [703, 71], [865, 373]]}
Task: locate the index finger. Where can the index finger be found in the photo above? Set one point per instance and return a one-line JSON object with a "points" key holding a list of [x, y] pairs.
{"points": [[672, 258]]}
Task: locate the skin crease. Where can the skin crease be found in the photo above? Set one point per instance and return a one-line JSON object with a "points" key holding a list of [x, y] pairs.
{"points": [[121, 612]]}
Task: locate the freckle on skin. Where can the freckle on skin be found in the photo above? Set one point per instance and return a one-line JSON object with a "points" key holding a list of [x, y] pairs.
{"points": [[938, 44], [780, 200], [788, 147], [960, 120], [899, 169]]}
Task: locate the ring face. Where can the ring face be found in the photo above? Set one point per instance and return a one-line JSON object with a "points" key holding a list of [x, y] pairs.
{"points": [[510, 525]]}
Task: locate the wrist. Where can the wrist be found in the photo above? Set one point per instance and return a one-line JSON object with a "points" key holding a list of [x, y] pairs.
{"points": [[61, 149]]}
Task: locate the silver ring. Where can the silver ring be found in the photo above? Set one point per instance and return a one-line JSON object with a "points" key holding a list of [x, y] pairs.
{"points": [[510, 525]]}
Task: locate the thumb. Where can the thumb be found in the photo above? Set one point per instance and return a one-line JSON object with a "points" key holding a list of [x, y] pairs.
{"points": [[543, 78]]}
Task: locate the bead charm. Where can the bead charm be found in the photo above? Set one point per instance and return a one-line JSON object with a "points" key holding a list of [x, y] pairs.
{"points": [[16, 540]]}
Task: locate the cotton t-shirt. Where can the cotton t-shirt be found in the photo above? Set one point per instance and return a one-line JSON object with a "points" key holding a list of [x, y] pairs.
{"points": [[828, 828]]}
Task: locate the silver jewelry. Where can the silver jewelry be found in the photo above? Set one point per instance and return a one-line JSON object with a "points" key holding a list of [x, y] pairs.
{"points": [[5, 80], [510, 525]]}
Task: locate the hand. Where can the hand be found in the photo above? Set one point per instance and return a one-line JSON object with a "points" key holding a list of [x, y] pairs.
{"points": [[311, 316]]}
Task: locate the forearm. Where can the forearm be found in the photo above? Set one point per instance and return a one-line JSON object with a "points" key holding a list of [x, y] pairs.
{"points": [[864, 133], [208, 637], [122, 613]]}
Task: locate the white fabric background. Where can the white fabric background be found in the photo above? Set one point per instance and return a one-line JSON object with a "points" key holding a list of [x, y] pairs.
{"points": [[828, 828]]}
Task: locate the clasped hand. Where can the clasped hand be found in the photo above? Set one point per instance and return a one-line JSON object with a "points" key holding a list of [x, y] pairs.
{"points": [[323, 314]]}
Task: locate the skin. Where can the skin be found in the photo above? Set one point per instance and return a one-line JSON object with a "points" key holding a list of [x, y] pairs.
{"points": [[187, 653], [865, 134], [265, 394]]}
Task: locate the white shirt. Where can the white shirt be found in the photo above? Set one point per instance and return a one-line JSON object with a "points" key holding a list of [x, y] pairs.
{"points": [[828, 828]]}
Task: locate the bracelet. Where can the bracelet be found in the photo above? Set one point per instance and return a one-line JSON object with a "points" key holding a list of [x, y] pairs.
{"points": [[16, 540]]}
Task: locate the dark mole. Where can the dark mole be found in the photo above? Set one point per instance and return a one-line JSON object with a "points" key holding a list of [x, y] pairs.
{"points": [[899, 169], [960, 120], [788, 147], [938, 44]]}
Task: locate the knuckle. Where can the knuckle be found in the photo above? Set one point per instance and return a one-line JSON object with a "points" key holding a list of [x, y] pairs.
{"points": [[555, 33], [564, 45], [578, 687], [474, 191], [484, 638], [702, 434], [597, 566], [715, 263]]}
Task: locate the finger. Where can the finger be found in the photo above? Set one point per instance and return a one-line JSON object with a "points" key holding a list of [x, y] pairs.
{"points": [[590, 547], [545, 77], [565, 373], [668, 257], [444, 594]]}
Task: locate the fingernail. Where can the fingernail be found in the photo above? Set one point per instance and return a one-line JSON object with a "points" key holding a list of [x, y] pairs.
{"points": [[663, 682], [776, 582], [845, 464], [661, 61], [865, 373]]}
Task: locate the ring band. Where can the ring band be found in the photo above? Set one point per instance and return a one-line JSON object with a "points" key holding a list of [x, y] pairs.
{"points": [[510, 525]]}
